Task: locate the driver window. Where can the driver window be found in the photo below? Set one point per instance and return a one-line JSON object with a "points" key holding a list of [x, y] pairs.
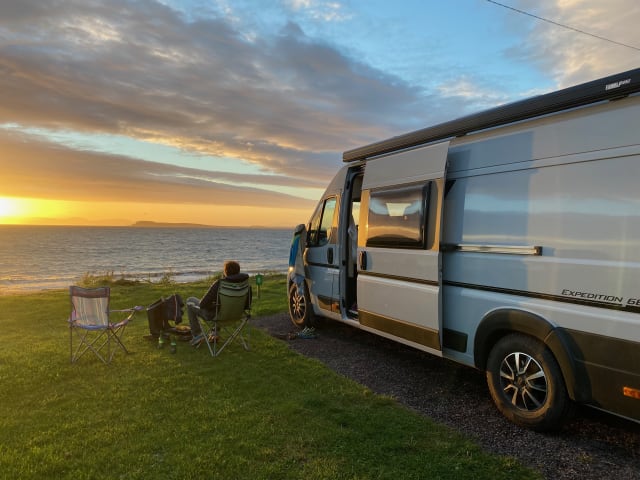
{"points": [[320, 227]]}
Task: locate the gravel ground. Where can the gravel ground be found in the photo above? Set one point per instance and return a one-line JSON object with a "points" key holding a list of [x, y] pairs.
{"points": [[592, 446]]}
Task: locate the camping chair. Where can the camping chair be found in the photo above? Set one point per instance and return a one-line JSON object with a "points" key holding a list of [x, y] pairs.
{"points": [[91, 325], [231, 318]]}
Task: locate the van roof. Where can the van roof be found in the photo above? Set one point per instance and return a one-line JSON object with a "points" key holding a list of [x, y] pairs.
{"points": [[607, 88]]}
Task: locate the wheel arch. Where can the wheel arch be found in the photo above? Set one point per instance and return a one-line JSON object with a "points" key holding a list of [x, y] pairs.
{"points": [[498, 323]]}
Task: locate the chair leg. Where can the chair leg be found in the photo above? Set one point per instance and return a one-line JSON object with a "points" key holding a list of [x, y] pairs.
{"points": [[206, 329], [115, 338], [118, 338], [237, 332], [87, 343], [103, 343], [210, 333]]}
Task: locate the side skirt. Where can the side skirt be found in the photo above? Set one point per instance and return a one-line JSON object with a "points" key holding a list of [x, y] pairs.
{"points": [[414, 333]]}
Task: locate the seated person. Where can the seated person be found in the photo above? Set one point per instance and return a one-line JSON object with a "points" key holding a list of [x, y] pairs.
{"points": [[206, 307]]}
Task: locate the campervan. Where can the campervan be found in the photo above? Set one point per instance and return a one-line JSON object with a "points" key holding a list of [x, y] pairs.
{"points": [[507, 240]]}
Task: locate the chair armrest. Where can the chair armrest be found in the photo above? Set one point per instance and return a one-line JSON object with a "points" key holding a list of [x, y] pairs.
{"points": [[137, 308]]}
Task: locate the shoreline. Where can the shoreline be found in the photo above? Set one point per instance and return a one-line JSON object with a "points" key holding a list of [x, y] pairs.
{"points": [[177, 279]]}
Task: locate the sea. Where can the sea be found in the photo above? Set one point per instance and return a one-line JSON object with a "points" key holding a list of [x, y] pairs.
{"points": [[34, 258]]}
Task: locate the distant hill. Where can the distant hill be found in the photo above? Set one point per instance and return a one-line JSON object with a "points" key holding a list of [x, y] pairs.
{"points": [[147, 224]]}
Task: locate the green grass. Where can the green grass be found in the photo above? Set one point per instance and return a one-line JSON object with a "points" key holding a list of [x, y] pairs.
{"points": [[265, 414]]}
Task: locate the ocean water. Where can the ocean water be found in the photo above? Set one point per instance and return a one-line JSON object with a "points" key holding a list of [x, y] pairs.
{"points": [[47, 257]]}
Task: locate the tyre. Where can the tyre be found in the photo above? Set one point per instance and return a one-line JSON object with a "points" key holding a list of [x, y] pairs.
{"points": [[300, 309], [526, 383]]}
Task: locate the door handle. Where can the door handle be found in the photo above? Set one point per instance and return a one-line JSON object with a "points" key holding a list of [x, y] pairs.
{"points": [[330, 256], [363, 260]]}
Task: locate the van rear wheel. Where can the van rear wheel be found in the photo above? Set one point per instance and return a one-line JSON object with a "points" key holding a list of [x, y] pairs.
{"points": [[300, 309], [526, 383]]}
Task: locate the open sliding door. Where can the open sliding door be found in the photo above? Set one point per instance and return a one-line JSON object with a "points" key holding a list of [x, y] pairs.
{"points": [[399, 262]]}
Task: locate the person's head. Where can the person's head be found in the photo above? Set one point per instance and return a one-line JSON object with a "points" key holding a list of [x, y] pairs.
{"points": [[230, 267]]}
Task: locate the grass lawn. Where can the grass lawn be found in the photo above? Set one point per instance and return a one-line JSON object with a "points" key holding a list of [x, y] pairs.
{"points": [[265, 414]]}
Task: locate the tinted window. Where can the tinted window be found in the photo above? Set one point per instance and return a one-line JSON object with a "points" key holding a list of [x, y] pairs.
{"points": [[397, 216]]}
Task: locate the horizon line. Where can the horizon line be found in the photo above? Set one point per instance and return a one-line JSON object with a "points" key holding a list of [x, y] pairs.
{"points": [[146, 224]]}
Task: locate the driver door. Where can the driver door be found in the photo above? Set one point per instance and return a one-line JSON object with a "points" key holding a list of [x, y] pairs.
{"points": [[321, 256]]}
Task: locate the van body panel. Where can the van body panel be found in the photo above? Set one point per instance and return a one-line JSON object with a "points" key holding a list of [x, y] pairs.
{"points": [[406, 167], [599, 127], [609, 364], [585, 217]]}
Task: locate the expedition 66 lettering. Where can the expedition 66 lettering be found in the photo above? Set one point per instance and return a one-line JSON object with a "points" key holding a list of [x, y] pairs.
{"points": [[599, 297]]}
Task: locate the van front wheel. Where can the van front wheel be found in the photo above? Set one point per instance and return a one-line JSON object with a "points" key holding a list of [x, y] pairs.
{"points": [[300, 309], [526, 383]]}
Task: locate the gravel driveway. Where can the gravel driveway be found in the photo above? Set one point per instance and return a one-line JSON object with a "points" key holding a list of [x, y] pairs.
{"points": [[592, 446]]}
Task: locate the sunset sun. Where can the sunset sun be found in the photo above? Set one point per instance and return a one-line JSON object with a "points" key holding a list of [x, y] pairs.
{"points": [[9, 208], [17, 210]]}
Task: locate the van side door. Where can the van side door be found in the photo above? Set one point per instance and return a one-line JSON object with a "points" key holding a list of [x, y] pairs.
{"points": [[399, 261], [321, 256]]}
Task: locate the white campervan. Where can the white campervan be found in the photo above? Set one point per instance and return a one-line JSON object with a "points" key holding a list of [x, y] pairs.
{"points": [[508, 241]]}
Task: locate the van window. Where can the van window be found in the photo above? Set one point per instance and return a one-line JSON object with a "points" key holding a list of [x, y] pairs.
{"points": [[397, 216], [320, 227]]}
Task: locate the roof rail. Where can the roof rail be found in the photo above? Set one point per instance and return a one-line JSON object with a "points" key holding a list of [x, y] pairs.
{"points": [[607, 88]]}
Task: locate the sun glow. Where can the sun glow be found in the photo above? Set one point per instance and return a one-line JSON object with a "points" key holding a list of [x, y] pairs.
{"points": [[14, 210], [10, 208], [37, 211]]}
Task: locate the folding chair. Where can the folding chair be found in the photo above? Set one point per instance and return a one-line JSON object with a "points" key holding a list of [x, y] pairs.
{"points": [[231, 318], [91, 325]]}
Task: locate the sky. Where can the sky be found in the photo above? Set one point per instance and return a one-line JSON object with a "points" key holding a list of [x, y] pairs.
{"points": [[236, 112]]}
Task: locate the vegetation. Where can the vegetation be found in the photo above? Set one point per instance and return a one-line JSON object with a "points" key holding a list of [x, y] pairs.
{"points": [[264, 414]]}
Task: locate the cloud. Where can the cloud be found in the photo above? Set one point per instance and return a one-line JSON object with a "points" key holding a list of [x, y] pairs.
{"points": [[283, 101], [572, 57], [320, 10], [35, 168]]}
